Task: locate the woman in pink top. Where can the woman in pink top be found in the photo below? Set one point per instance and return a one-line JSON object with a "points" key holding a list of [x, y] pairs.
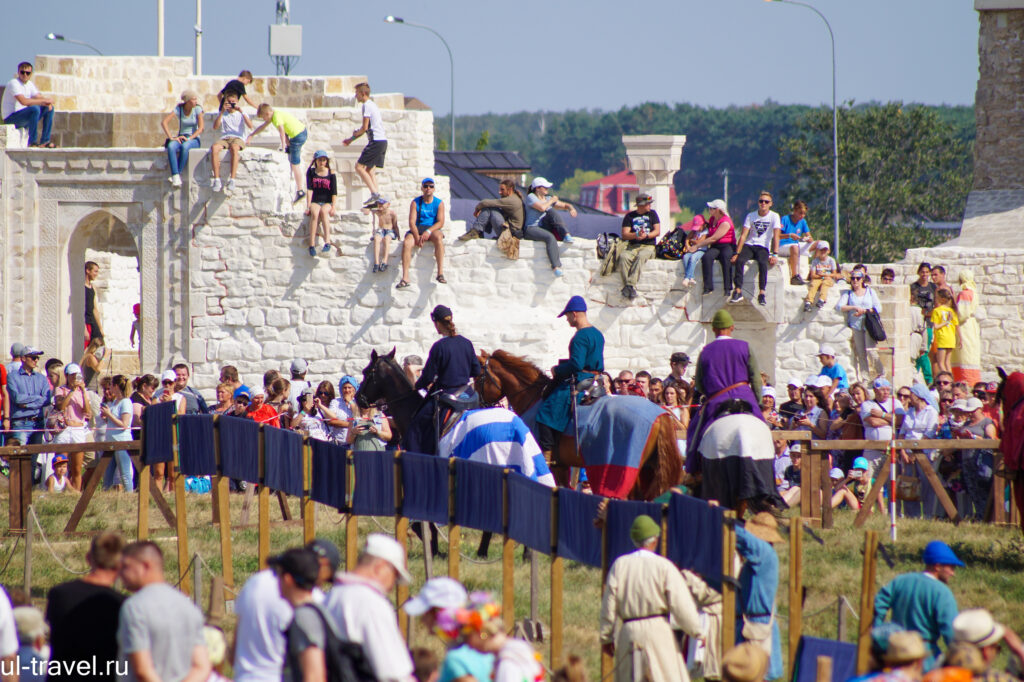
{"points": [[72, 407], [721, 245]]}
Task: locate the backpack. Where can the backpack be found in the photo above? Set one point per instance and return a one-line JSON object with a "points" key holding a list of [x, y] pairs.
{"points": [[346, 661], [605, 242], [672, 246]]}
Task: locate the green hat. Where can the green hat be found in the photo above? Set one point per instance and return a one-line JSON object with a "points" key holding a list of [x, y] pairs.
{"points": [[722, 320], [643, 529]]}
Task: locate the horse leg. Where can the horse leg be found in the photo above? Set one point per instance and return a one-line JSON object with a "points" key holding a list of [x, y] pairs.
{"points": [[741, 509], [417, 528], [485, 545]]}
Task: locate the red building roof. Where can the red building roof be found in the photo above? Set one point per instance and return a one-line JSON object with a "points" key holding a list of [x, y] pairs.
{"points": [[616, 193]]}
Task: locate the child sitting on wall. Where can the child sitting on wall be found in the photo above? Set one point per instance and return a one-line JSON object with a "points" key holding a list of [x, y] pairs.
{"points": [[323, 191], [823, 274], [385, 226]]}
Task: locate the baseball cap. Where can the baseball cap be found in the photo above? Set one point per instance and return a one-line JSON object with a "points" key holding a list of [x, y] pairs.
{"points": [[938, 553], [576, 304], [973, 404], [17, 349], [793, 382], [301, 564], [825, 349], [168, 375], [320, 154], [978, 627], [60, 458], [425, 181], [991, 387], [680, 357], [822, 244], [795, 447], [299, 366], [811, 380], [540, 181], [308, 390], [823, 381], [959, 404], [387, 549], [437, 593], [836, 473], [695, 223], [881, 382], [325, 549], [719, 204], [644, 198], [768, 390], [71, 368], [861, 463], [242, 390], [440, 312], [30, 351]]}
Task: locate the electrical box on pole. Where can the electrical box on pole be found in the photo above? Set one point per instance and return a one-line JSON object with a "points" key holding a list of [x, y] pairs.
{"points": [[284, 40]]}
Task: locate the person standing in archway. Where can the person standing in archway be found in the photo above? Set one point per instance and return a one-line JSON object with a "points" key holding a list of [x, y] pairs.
{"points": [[93, 330]]}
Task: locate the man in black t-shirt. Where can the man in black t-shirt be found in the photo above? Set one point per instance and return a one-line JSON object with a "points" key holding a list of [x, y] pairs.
{"points": [[640, 230], [83, 614], [788, 409]]}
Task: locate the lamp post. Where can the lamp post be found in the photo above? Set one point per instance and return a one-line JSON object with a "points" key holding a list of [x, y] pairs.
{"points": [[451, 63], [57, 36], [835, 119]]}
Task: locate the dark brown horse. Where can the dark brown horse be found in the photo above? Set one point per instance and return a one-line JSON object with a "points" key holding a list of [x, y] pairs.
{"points": [[523, 384]]}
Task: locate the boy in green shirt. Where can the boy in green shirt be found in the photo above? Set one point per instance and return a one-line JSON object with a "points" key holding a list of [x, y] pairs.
{"points": [[293, 136]]}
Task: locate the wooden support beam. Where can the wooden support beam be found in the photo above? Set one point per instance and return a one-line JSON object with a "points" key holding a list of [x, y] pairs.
{"points": [[940, 490], [728, 587], [87, 492], [867, 601], [181, 512], [263, 505], [454, 532], [557, 586], [402, 536], [607, 661], [352, 522], [508, 548], [307, 506], [796, 587], [881, 478], [222, 504]]}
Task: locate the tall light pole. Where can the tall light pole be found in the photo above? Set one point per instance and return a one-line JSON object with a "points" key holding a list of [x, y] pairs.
{"points": [[57, 36], [451, 63], [835, 119]]}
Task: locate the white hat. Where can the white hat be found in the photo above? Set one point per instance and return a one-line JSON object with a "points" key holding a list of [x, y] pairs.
{"points": [[978, 627], [388, 549], [168, 375], [768, 390], [825, 349], [719, 204], [794, 382], [960, 404], [71, 368], [437, 593], [795, 447], [836, 473], [822, 244], [299, 366], [811, 380], [973, 404], [823, 381], [540, 181]]}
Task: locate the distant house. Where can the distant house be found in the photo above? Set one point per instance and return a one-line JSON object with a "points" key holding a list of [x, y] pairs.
{"points": [[475, 175], [615, 193]]}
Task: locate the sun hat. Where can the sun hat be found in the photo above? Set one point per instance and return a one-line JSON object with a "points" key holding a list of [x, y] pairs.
{"points": [[325, 549], [643, 529], [904, 647], [938, 553], [719, 204], [576, 304], [763, 525], [745, 662], [387, 549], [978, 627], [965, 658], [861, 463], [168, 375], [320, 154], [437, 593], [540, 181], [301, 564], [722, 320], [922, 392]]}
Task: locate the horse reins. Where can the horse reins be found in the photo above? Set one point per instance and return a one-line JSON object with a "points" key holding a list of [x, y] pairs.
{"points": [[487, 375]]}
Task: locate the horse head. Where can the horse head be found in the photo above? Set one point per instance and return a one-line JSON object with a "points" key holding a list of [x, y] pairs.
{"points": [[383, 379], [487, 384]]}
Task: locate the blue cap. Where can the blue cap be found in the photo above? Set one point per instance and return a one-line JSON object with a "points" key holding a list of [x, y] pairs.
{"points": [[861, 463], [320, 154], [882, 382], [938, 553], [242, 390], [576, 304], [426, 180]]}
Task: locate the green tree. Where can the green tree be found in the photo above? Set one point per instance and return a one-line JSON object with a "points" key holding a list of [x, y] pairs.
{"points": [[484, 141], [569, 190], [899, 166]]}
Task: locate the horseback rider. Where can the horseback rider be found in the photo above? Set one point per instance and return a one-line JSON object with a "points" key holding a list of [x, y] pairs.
{"points": [[586, 361], [726, 369], [451, 365]]}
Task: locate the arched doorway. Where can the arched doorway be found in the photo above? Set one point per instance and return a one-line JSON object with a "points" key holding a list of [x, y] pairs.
{"points": [[103, 238]]}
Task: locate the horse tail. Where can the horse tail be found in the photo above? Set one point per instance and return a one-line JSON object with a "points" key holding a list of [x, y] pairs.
{"points": [[667, 467]]}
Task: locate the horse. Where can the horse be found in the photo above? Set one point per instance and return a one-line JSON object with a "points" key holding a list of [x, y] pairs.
{"points": [[1010, 395], [523, 384]]}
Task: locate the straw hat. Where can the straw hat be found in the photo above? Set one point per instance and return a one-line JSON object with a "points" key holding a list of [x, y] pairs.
{"points": [[745, 662], [904, 647], [764, 526]]}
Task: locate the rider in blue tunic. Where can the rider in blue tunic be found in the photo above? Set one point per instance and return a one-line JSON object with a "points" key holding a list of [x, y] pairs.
{"points": [[451, 365], [586, 360]]}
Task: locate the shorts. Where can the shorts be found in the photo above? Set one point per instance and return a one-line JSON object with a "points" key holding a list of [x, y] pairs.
{"points": [[384, 232], [229, 142], [294, 148], [373, 154], [409, 232], [804, 250]]}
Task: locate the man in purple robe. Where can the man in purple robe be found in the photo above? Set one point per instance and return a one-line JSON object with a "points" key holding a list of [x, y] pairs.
{"points": [[726, 370]]}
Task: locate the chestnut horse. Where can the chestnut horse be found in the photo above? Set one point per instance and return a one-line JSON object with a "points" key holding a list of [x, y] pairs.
{"points": [[524, 384]]}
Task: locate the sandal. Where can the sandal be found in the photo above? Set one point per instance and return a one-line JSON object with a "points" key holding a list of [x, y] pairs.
{"points": [[49, 145], [401, 285], [441, 280]]}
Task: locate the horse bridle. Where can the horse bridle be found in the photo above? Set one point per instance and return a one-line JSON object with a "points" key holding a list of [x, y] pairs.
{"points": [[485, 376], [382, 403]]}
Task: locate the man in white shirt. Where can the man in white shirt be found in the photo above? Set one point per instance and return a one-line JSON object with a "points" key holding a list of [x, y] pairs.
{"points": [[759, 241], [360, 606], [372, 156], [23, 106], [877, 416]]}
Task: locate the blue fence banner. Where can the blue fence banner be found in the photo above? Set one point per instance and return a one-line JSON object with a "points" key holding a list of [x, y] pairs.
{"points": [[478, 491], [843, 655], [239, 448], [529, 512], [329, 474], [578, 538], [695, 537], [621, 514], [425, 487], [195, 445], [374, 493], [157, 446], [283, 452]]}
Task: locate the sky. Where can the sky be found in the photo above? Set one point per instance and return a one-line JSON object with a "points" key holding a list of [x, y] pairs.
{"points": [[557, 55]]}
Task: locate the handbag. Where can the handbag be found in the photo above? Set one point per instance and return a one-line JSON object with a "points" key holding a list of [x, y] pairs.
{"points": [[908, 488], [508, 244], [873, 325]]}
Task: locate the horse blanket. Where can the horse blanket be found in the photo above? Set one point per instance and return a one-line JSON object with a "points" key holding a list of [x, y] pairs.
{"points": [[497, 436], [613, 434], [737, 460]]}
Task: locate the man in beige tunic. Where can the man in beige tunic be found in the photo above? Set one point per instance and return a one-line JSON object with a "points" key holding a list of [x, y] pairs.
{"points": [[646, 594]]}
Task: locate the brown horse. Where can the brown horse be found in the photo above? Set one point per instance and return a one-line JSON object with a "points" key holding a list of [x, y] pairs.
{"points": [[523, 384]]}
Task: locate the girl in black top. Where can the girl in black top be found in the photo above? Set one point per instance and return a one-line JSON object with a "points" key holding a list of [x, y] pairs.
{"points": [[323, 190]]}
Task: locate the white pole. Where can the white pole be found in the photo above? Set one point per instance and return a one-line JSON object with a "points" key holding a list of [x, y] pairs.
{"points": [[199, 38], [159, 28]]}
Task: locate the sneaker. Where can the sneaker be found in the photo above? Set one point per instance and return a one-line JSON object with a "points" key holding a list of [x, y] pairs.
{"points": [[230, 187], [175, 180], [299, 196], [312, 251], [558, 272], [807, 306], [372, 201], [217, 186], [327, 247], [761, 300], [383, 267], [567, 238], [376, 267], [625, 292], [736, 297], [797, 281], [820, 303], [472, 233]]}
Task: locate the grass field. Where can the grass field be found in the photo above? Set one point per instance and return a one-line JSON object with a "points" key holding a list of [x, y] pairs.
{"points": [[994, 577]]}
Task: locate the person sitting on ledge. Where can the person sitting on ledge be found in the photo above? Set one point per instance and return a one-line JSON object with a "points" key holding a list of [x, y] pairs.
{"points": [[190, 127], [426, 220], [542, 211], [23, 106], [640, 230], [233, 122], [492, 215]]}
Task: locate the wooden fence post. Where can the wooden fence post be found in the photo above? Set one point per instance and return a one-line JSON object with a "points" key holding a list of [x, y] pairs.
{"points": [[28, 553], [454, 532], [263, 504], [352, 522], [508, 549], [308, 508], [402, 536], [222, 503], [796, 587], [180, 512], [728, 586], [867, 601], [557, 586]]}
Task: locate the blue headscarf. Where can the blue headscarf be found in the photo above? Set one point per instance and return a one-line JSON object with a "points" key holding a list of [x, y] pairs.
{"points": [[348, 379], [922, 392]]}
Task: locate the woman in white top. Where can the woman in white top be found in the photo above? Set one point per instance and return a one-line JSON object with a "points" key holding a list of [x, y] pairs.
{"points": [[116, 413], [921, 421], [855, 303], [311, 418], [681, 415], [343, 409]]}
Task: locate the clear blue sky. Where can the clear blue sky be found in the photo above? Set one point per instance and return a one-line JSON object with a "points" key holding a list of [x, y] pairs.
{"points": [[533, 54]]}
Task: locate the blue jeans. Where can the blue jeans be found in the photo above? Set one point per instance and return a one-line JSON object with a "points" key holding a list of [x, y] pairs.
{"points": [[177, 153], [294, 148], [29, 118], [690, 263], [122, 466], [540, 234]]}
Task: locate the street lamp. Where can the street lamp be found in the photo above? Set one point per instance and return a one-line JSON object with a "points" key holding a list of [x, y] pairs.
{"points": [[451, 63], [835, 119], [57, 36]]}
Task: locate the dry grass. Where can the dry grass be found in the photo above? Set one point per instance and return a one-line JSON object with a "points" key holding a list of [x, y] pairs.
{"points": [[993, 578]]}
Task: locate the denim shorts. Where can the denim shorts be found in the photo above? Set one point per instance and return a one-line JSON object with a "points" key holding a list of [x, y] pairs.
{"points": [[294, 148]]}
